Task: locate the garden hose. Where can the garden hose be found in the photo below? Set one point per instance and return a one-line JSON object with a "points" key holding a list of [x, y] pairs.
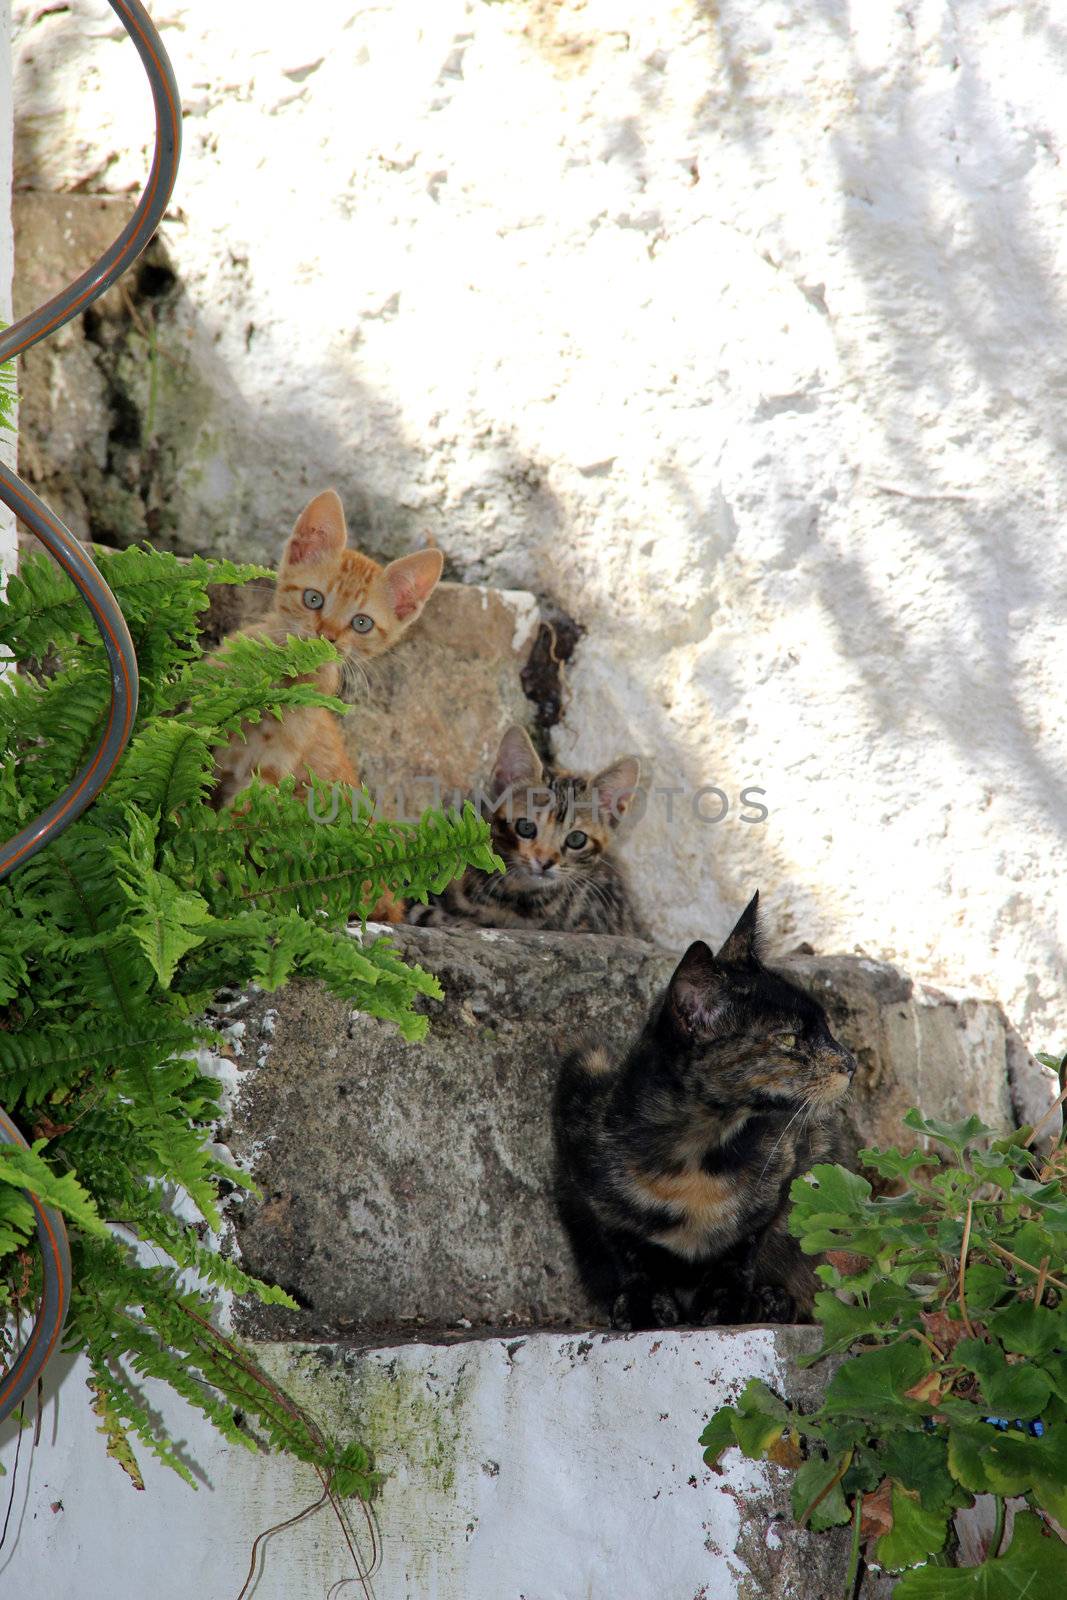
{"points": [[61, 543]]}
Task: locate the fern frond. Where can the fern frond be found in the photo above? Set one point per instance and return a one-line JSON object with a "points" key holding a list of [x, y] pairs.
{"points": [[247, 680], [167, 766], [115, 937]]}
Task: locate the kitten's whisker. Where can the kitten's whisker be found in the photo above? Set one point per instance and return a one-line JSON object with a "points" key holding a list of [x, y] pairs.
{"points": [[354, 677]]}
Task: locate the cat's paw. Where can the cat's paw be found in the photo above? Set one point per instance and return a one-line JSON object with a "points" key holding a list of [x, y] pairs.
{"points": [[636, 1309], [714, 1313], [769, 1303], [666, 1311], [623, 1313]]}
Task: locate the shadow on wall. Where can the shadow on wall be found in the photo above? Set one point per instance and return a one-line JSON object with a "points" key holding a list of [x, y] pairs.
{"points": [[971, 321], [923, 168]]}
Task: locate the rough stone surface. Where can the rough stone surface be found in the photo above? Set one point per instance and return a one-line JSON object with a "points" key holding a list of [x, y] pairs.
{"points": [[429, 717], [555, 1467], [410, 1186], [736, 330], [109, 400]]}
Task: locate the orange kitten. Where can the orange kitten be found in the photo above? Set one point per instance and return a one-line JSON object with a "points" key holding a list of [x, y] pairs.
{"points": [[324, 590]]}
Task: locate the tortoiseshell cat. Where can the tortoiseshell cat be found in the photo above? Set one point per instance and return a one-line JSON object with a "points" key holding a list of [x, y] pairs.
{"points": [[674, 1164], [324, 590], [555, 836]]}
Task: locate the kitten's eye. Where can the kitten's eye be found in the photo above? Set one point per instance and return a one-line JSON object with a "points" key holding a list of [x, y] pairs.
{"points": [[526, 829], [361, 623], [314, 600], [787, 1040], [576, 840]]}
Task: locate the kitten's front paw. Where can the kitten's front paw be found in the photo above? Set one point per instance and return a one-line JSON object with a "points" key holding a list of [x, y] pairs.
{"points": [[428, 916]]}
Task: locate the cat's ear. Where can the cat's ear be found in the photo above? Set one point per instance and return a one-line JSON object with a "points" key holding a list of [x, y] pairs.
{"points": [[696, 992], [517, 765], [616, 787], [742, 947], [320, 533], [410, 581]]}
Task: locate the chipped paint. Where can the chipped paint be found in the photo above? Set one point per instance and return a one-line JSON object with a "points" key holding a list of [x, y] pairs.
{"points": [[555, 1465]]}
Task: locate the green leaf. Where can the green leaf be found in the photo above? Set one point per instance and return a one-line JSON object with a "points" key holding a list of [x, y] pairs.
{"points": [[895, 1163], [1027, 1329], [1010, 1391], [842, 1324], [872, 1384], [966, 1457], [919, 1462], [719, 1434], [27, 1169], [985, 1459], [985, 1286], [915, 1534], [812, 1479], [1033, 1568], [753, 1424], [957, 1135]]}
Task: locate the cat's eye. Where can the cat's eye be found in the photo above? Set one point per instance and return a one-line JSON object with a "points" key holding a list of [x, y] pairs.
{"points": [[526, 829], [576, 840], [314, 600], [787, 1040], [361, 623]]}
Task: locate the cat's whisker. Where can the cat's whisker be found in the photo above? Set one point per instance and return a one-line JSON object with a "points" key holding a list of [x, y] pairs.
{"points": [[777, 1143]]}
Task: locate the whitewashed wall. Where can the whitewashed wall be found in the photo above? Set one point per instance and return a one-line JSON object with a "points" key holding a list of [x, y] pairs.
{"points": [[738, 329], [561, 1468]]}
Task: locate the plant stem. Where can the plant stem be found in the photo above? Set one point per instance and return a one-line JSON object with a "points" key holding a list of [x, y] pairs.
{"points": [[1040, 1123], [854, 1555], [846, 1462], [963, 1267], [999, 1250], [998, 1529]]}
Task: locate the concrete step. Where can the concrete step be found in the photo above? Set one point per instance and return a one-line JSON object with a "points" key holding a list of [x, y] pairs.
{"points": [[550, 1467]]}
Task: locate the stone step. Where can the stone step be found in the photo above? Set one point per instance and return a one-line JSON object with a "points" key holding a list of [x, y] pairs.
{"points": [[408, 1187]]}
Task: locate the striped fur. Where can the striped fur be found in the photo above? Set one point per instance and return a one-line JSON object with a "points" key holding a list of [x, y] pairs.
{"points": [[566, 878]]}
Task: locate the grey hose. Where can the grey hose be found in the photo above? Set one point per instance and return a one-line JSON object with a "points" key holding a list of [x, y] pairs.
{"points": [[86, 785]]}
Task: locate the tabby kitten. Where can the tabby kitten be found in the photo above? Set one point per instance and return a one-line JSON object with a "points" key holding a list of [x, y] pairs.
{"points": [[674, 1164], [555, 833], [324, 590]]}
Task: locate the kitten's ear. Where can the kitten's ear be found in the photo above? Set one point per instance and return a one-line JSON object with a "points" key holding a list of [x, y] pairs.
{"points": [[517, 764], [742, 947], [615, 788], [320, 533], [410, 581], [695, 992]]}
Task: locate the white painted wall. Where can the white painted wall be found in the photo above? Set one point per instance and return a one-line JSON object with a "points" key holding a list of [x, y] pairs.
{"points": [[548, 1467], [740, 329]]}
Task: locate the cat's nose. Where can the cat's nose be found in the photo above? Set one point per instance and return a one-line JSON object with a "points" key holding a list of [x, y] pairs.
{"points": [[848, 1062]]}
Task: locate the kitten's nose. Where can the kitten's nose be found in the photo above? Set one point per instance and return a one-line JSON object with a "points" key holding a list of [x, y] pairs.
{"points": [[848, 1062]]}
